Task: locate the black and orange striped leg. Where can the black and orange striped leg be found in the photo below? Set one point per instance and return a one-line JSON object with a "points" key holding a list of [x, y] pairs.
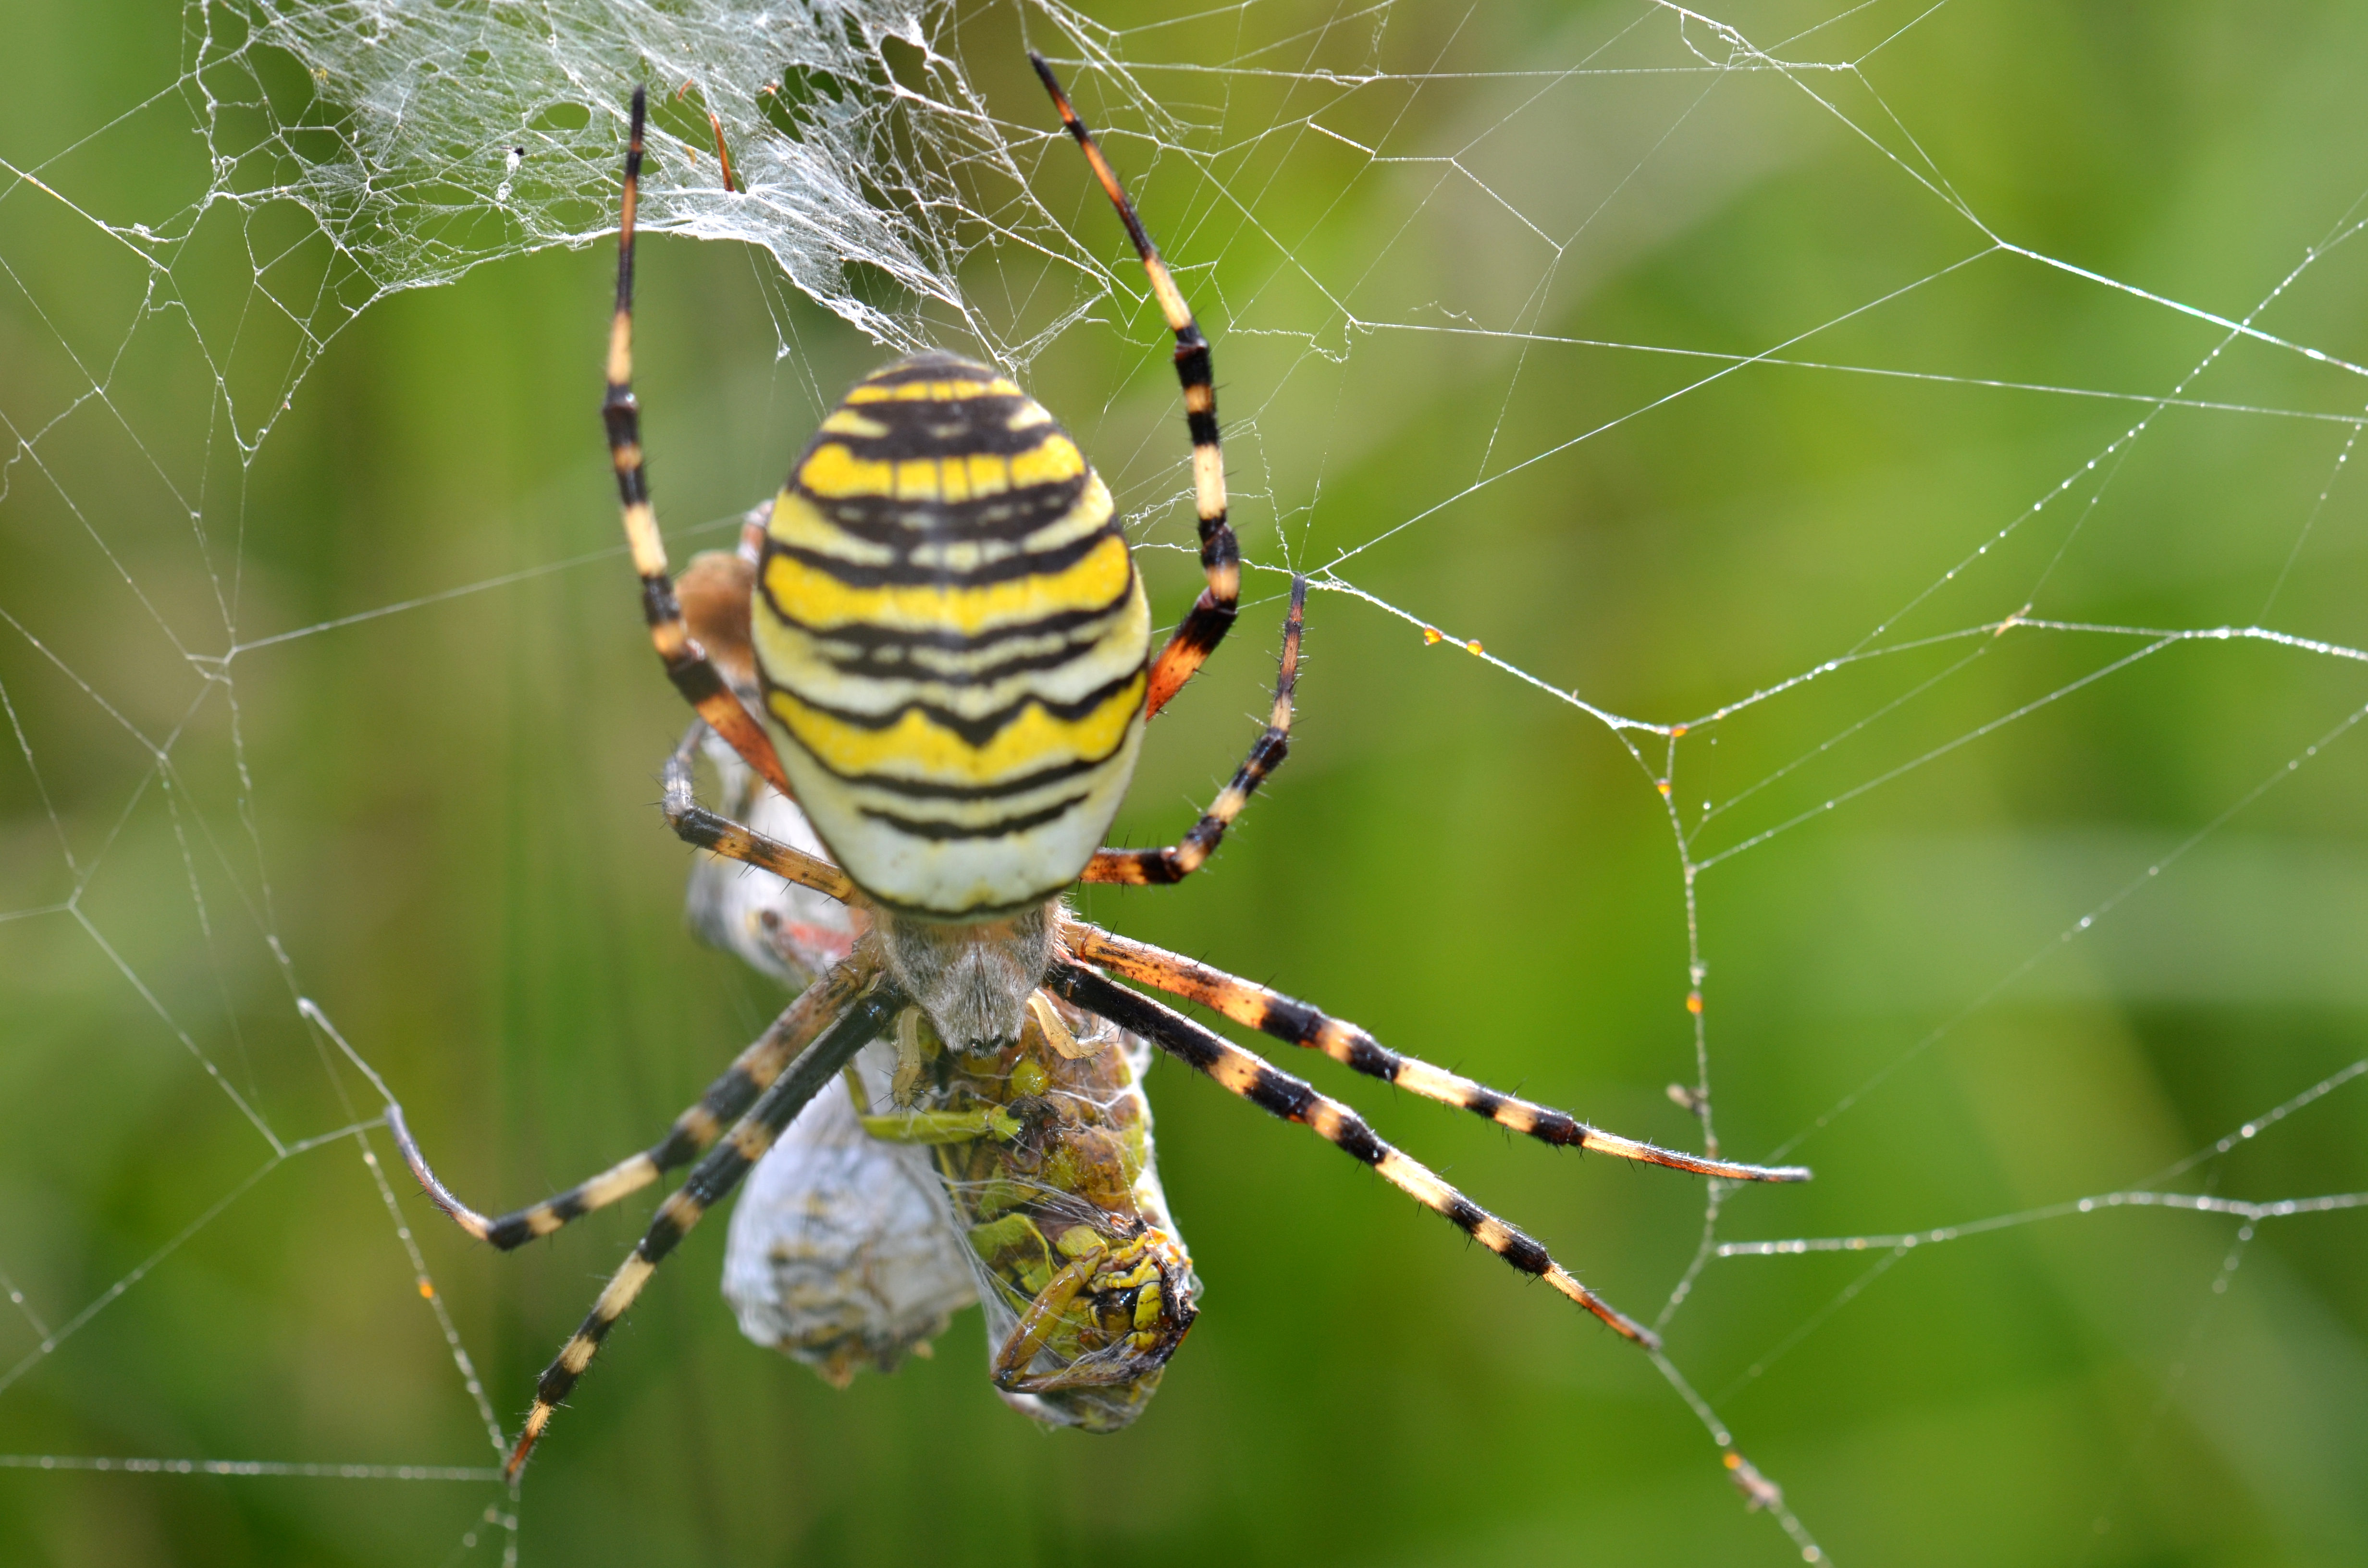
{"points": [[686, 661], [1272, 1013], [709, 1182], [1221, 556], [749, 1075], [719, 835], [1278, 1093], [1142, 867]]}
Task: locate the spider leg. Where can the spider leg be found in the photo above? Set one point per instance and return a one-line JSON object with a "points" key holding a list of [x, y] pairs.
{"points": [[751, 1073], [1279, 1094], [1270, 1012], [1147, 867], [719, 835], [686, 661], [1221, 557], [709, 1182]]}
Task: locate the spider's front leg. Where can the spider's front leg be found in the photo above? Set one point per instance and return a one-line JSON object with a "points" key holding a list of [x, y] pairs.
{"points": [[751, 1074], [1285, 1019], [1279, 1094], [708, 1184]]}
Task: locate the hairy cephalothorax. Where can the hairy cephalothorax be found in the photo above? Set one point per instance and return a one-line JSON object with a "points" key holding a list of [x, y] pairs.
{"points": [[972, 979]]}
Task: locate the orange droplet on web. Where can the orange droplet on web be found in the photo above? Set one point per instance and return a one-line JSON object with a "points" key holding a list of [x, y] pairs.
{"points": [[1663, 786], [426, 1291], [1693, 1003], [1431, 634], [1678, 732], [1473, 646]]}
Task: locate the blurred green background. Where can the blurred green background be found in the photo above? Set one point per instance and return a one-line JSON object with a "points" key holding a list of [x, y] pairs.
{"points": [[443, 817]]}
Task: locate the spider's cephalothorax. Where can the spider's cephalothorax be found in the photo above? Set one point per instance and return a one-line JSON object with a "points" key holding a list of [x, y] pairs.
{"points": [[953, 644], [953, 641], [971, 978]]}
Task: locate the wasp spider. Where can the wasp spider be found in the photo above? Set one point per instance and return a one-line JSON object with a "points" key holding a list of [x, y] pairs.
{"points": [[941, 626]]}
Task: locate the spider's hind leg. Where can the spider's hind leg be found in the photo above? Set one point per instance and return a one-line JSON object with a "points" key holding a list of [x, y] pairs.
{"points": [[1221, 557], [685, 659]]}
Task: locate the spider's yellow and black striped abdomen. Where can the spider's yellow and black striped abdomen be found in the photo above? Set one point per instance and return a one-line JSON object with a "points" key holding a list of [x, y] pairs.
{"points": [[954, 639]]}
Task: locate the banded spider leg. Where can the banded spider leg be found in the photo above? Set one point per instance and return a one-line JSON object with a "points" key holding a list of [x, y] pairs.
{"points": [[1242, 1072], [752, 1073], [710, 1181], [1272, 1013]]}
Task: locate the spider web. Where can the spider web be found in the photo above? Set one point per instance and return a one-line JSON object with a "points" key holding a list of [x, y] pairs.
{"points": [[1697, 440]]}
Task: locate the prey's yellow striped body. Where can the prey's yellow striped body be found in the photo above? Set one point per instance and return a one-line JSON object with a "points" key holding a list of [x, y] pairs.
{"points": [[954, 643]]}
